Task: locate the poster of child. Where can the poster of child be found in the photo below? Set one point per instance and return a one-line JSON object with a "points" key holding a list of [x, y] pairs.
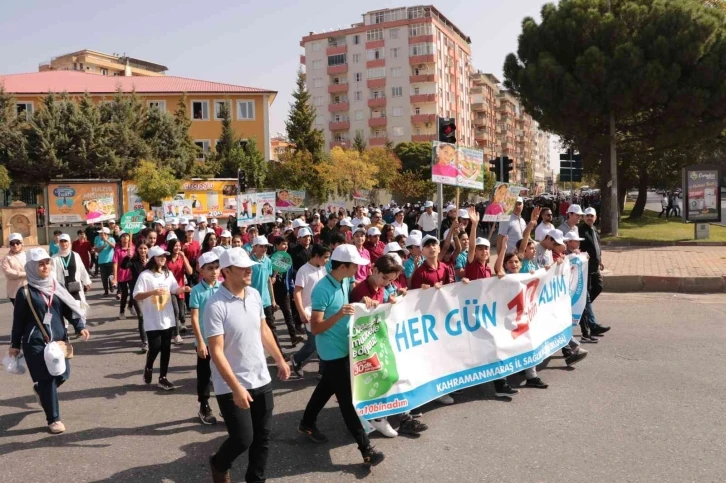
{"points": [[502, 202], [288, 200], [445, 168]]}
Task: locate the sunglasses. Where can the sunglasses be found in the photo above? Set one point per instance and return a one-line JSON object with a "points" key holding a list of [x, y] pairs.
{"points": [[16, 243]]}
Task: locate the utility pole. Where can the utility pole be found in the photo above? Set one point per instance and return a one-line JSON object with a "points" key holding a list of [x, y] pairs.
{"points": [[613, 184]]}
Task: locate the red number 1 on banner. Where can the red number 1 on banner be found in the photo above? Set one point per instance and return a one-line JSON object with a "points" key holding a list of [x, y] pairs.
{"points": [[519, 302]]}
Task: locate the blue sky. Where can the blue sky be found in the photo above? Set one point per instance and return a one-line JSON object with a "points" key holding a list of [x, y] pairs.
{"points": [[237, 42]]}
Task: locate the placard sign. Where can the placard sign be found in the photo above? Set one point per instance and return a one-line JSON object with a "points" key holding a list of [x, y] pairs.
{"points": [[701, 185]]}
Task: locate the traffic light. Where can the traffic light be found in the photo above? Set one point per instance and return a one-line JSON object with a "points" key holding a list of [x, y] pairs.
{"points": [[508, 166], [494, 168], [242, 181], [447, 130], [570, 166]]}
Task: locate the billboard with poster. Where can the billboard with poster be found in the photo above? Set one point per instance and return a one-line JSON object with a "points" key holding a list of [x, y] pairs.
{"points": [[501, 202], [82, 202], [211, 197], [290, 200], [457, 166], [176, 209], [702, 192], [255, 208]]}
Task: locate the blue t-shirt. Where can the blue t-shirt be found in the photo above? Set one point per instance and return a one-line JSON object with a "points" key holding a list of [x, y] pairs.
{"points": [[528, 266], [409, 266], [461, 261], [261, 274], [105, 255], [389, 290], [198, 299], [247, 247], [328, 297], [53, 248]]}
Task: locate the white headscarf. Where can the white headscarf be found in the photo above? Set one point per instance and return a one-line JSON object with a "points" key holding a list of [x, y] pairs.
{"points": [[49, 286]]}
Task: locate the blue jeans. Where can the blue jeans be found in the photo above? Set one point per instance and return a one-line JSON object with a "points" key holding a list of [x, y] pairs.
{"points": [[588, 315], [48, 393], [307, 350]]}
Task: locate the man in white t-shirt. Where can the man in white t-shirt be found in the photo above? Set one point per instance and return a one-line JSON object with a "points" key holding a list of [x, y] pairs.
{"points": [[398, 223], [238, 334], [514, 228], [429, 219], [546, 225], [574, 216], [202, 230], [360, 218], [307, 277]]}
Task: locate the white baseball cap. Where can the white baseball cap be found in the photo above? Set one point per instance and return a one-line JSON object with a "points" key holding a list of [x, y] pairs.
{"points": [[413, 241], [298, 223], [38, 254], [171, 236], [279, 220], [463, 213], [346, 222], [213, 220], [304, 231], [226, 234], [450, 207], [359, 229], [260, 240], [183, 221], [394, 247], [590, 211], [572, 236], [235, 257], [174, 221], [575, 209], [396, 211], [156, 251], [557, 236], [15, 237], [201, 219], [373, 231], [190, 227], [104, 230], [481, 241], [416, 233], [64, 236], [218, 250], [428, 204], [287, 229], [398, 231], [111, 221], [396, 258], [427, 238], [348, 254], [520, 200], [208, 257], [160, 222]]}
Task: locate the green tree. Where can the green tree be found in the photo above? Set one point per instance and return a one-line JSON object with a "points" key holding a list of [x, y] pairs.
{"points": [[189, 150], [639, 75], [155, 182], [166, 141], [4, 178], [415, 157], [125, 116], [359, 142], [13, 146], [300, 123]]}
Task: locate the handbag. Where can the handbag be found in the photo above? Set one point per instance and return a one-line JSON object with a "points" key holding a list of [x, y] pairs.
{"points": [[73, 287], [65, 347]]}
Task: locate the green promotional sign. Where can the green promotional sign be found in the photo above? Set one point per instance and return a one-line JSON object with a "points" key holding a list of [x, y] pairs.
{"points": [[281, 262], [133, 221], [374, 364]]}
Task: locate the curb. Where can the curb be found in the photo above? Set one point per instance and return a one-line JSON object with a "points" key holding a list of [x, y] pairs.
{"points": [[652, 283], [636, 243]]}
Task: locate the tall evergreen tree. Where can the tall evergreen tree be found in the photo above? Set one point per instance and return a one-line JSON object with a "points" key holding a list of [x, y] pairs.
{"points": [[13, 146], [125, 115], [300, 123], [359, 142]]}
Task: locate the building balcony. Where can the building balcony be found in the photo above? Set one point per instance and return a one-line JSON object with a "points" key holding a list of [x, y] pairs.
{"points": [[337, 88], [478, 106], [302, 59], [481, 136], [422, 78], [377, 102], [419, 118], [376, 83], [377, 121], [375, 44], [378, 141], [421, 39], [479, 121], [476, 90], [340, 144], [338, 107], [337, 69], [423, 98], [339, 126], [422, 59], [336, 49], [375, 63], [423, 138]]}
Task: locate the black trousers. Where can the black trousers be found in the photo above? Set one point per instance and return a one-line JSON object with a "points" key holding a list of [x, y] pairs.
{"points": [[124, 289], [336, 380], [179, 313], [282, 297], [270, 319], [594, 284], [159, 342], [247, 429], [106, 272], [204, 376]]}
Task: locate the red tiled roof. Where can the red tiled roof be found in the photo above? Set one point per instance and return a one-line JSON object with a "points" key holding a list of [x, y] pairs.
{"points": [[80, 82]]}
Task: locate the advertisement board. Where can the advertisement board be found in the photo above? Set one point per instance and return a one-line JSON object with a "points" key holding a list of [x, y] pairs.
{"points": [[457, 166], [702, 193], [290, 200], [212, 197], [255, 208], [501, 202], [82, 202]]}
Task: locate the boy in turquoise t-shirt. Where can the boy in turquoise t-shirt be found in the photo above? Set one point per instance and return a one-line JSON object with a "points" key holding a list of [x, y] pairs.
{"points": [[200, 294]]}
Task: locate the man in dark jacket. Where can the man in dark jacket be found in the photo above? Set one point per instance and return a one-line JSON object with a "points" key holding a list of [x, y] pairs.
{"points": [[591, 245]]}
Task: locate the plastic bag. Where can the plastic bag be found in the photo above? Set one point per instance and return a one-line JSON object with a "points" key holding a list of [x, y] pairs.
{"points": [[15, 365]]}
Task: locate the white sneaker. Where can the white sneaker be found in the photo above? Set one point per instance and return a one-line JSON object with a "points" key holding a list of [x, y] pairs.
{"points": [[56, 428], [121, 316], [178, 340], [383, 427], [445, 400], [132, 311]]}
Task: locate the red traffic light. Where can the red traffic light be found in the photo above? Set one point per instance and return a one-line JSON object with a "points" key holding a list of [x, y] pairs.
{"points": [[449, 129]]}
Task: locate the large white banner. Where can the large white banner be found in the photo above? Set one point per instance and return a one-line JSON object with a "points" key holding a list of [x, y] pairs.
{"points": [[433, 342], [578, 285]]}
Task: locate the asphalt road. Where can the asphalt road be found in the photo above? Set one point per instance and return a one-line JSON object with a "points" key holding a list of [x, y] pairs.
{"points": [[647, 405]]}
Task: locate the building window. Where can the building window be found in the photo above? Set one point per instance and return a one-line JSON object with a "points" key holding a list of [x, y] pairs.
{"points": [[417, 111], [398, 131], [340, 118], [396, 91], [160, 105], [397, 111], [200, 110], [245, 110], [419, 29], [358, 95], [376, 34], [358, 115], [319, 120], [318, 101], [421, 49], [338, 59], [317, 64], [24, 108], [416, 91], [394, 52], [203, 145], [356, 39], [377, 73], [317, 82], [379, 17], [317, 46], [104, 71], [393, 33], [395, 72], [358, 76], [374, 54], [218, 109], [416, 12], [356, 58]]}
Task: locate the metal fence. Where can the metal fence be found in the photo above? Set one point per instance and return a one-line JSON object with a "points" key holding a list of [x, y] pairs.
{"points": [[27, 194]]}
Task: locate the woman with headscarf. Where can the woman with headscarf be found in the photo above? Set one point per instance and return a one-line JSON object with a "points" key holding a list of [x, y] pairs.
{"points": [[136, 264], [13, 266], [69, 270], [51, 303], [122, 275]]}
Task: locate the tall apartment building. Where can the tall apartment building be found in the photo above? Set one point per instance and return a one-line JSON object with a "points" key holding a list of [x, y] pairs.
{"points": [[389, 76], [541, 148], [92, 62], [485, 116]]}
